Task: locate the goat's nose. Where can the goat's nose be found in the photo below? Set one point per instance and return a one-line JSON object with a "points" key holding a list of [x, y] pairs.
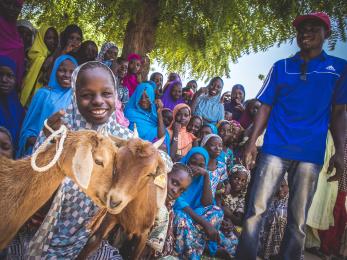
{"points": [[114, 203]]}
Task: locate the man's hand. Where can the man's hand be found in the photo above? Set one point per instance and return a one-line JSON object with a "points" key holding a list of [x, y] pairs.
{"points": [[336, 161]]}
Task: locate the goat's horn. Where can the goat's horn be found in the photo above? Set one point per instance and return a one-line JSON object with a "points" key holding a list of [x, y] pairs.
{"points": [[136, 134], [158, 143]]}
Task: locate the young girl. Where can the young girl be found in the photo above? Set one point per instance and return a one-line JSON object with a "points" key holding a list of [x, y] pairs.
{"points": [[108, 53], [48, 100], [6, 147], [197, 219], [178, 181], [172, 95], [167, 116], [195, 125], [120, 68], [142, 111], [87, 52], [132, 79], [233, 203], [63, 234], [11, 110], [206, 129], [181, 139], [157, 78], [250, 112], [275, 224], [235, 106], [227, 155], [45, 43]]}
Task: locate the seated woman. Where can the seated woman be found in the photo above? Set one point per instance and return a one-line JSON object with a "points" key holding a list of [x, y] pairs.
{"points": [[181, 139], [142, 111], [159, 246], [172, 95], [197, 219], [47, 100], [195, 125], [45, 43], [63, 234], [206, 102], [233, 202], [11, 111]]}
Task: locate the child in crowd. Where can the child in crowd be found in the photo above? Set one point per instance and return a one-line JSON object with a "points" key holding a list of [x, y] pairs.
{"points": [[187, 95], [133, 77], [120, 68], [178, 181], [235, 106], [108, 53], [172, 95], [195, 125], [207, 129], [45, 43], [87, 52], [193, 85], [275, 224], [47, 100], [157, 78], [227, 155], [234, 142], [6, 146], [248, 116], [11, 110], [228, 115], [233, 203], [181, 139], [167, 116]]}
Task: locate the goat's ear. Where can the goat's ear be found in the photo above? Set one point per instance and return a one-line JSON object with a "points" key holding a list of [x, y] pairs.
{"points": [[82, 165], [118, 141]]}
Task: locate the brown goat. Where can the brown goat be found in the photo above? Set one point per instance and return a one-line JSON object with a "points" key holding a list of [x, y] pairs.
{"points": [[87, 158], [132, 201]]}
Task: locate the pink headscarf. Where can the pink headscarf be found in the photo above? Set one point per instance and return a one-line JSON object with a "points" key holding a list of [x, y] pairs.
{"points": [[11, 44], [130, 80], [121, 119]]}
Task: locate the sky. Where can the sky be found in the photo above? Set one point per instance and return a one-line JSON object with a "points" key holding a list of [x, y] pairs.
{"points": [[248, 67]]}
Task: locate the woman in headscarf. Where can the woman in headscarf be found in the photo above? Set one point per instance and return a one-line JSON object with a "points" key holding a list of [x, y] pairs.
{"points": [[48, 100], [45, 43], [172, 95], [206, 102], [181, 139], [64, 235], [108, 53], [235, 106], [11, 45], [197, 219], [27, 33], [142, 111], [133, 77], [11, 110]]}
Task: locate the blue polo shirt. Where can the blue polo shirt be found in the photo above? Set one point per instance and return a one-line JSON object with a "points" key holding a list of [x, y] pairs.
{"points": [[301, 105]]}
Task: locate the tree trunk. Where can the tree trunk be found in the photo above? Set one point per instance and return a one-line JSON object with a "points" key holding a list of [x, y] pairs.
{"points": [[140, 32]]}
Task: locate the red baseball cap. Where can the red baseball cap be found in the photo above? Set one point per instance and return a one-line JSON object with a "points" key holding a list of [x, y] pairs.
{"points": [[323, 17]]}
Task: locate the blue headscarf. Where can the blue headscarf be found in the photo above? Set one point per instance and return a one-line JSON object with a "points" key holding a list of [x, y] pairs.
{"points": [[213, 128], [210, 108], [146, 121], [192, 196], [11, 111], [47, 101]]}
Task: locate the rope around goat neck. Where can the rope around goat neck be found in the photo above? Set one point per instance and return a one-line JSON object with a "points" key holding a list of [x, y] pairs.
{"points": [[61, 131]]}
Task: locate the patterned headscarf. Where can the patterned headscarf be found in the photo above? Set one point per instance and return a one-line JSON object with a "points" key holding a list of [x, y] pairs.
{"points": [[104, 48], [208, 137], [240, 168]]}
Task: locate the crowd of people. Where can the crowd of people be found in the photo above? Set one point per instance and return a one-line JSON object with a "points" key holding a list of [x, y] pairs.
{"points": [[247, 174]]}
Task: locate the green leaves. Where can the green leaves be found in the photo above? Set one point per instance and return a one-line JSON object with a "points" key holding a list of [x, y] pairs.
{"points": [[198, 37]]}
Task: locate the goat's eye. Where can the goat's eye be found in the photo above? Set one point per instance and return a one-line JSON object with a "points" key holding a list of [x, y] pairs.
{"points": [[98, 162]]}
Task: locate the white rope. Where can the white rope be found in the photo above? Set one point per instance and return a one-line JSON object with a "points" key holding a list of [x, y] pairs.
{"points": [[61, 131], [48, 127]]}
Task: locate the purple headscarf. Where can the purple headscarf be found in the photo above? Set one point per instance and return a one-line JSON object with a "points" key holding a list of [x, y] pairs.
{"points": [[167, 99]]}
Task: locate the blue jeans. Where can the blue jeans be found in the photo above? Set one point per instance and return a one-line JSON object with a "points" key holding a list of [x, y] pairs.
{"points": [[302, 181]]}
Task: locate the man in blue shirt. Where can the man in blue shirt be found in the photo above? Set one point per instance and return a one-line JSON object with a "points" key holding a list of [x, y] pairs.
{"points": [[302, 97]]}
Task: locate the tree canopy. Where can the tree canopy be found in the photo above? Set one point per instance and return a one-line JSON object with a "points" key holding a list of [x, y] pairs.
{"points": [[200, 37]]}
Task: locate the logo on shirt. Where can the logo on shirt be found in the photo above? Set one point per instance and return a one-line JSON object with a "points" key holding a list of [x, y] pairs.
{"points": [[331, 68]]}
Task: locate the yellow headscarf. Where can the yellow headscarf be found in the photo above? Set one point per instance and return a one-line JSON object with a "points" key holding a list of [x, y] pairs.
{"points": [[37, 56]]}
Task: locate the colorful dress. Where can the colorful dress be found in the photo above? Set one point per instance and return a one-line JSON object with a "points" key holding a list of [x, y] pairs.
{"points": [[274, 226], [191, 239]]}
